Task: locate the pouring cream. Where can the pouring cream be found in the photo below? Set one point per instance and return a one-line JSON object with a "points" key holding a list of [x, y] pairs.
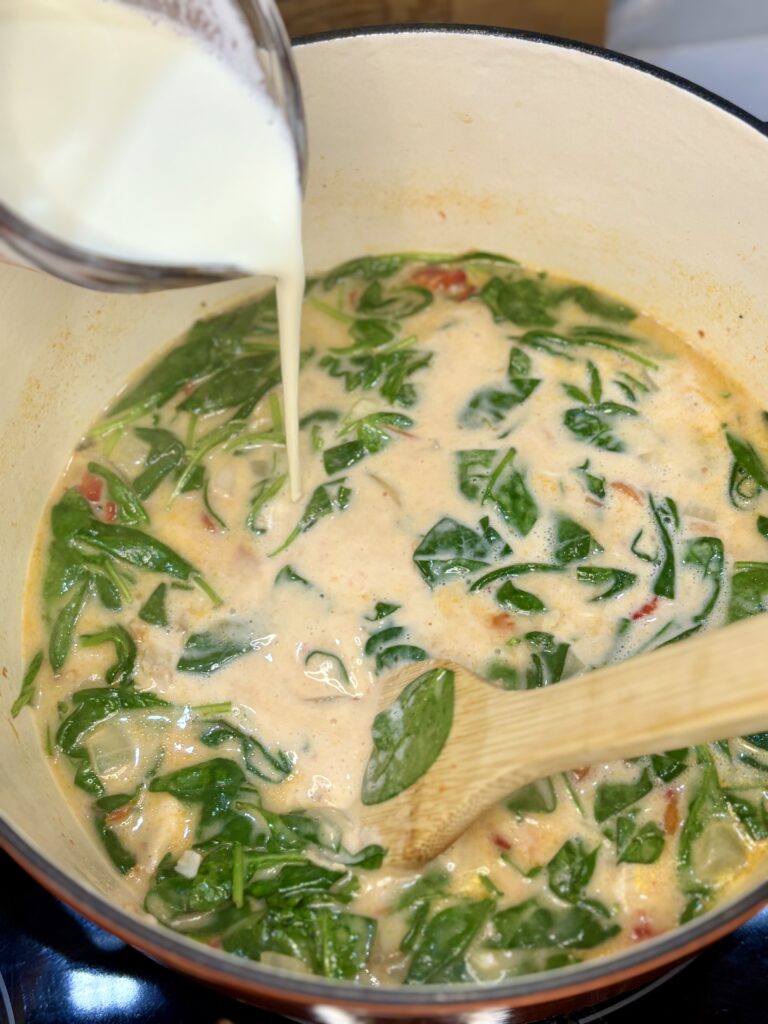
{"points": [[125, 136]]}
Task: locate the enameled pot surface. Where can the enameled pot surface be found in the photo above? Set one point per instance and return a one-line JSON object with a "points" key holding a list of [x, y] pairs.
{"points": [[567, 157]]}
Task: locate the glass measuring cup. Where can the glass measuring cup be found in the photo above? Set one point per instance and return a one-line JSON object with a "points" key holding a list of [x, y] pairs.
{"points": [[251, 37]]}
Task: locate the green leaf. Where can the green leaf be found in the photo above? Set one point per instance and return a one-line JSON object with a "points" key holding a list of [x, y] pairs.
{"points": [[264, 492], [749, 590], [129, 508], [641, 845], [211, 784], [121, 672], [451, 550], [667, 520], [367, 268], [289, 575], [599, 305], [593, 424], [613, 797], [534, 925], [387, 368], [669, 765], [708, 555], [409, 735], [382, 610], [748, 458], [547, 660], [326, 499], [342, 456], [571, 869], [706, 804], [166, 455], [519, 364], [154, 611], [216, 647], [535, 798], [574, 542], [753, 815], [762, 526], [27, 690], [510, 597], [618, 580], [490, 406], [92, 707], [487, 476], [397, 304], [122, 859], [439, 955], [240, 384], [526, 301], [258, 759], [63, 630]]}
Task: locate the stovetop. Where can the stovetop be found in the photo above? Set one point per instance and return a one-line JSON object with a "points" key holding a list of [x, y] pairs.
{"points": [[59, 968]]}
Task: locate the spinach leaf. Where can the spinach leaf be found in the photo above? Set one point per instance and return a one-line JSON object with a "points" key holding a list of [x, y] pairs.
{"points": [[635, 845], [390, 654], [367, 268], [439, 954], [669, 765], [525, 301], [707, 554], [240, 384], [535, 798], [122, 859], [153, 611], [574, 542], [90, 708], [595, 337], [382, 610], [534, 925], [183, 364], [451, 550], [289, 575], [547, 660], [385, 367], [486, 475], [166, 455], [63, 630], [264, 492], [762, 526], [213, 785], [749, 590], [129, 507], [612, 797], [268, 766], [598, 305], [752, 815], [593, 424], [409, 735], [571, 869], [27, 690], [519, 364], [594, 484], [121, 672], [511, 597], [667, 520], [490, 406], [748, 459], [216, 647], [342, 456], [330, 497], [618, 580], [397, 303]]}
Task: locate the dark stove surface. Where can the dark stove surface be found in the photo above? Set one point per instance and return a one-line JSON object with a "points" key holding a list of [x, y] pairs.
{"points": [[59, 968]]}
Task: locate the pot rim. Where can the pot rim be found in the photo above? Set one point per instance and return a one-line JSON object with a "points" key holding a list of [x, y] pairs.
{"points": [[250, 977]]}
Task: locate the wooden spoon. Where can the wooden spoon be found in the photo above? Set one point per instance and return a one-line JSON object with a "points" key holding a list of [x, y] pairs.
{"points": [[709, 688]]}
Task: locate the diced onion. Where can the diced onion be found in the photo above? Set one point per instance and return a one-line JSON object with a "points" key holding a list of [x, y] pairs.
{"points": [[188, 863]]}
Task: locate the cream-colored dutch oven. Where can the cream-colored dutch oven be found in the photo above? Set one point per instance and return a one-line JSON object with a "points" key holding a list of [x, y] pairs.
{"points": [[568, 158]]}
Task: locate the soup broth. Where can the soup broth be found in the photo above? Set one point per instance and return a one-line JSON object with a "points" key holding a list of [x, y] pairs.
{"points": [[204, 653]]}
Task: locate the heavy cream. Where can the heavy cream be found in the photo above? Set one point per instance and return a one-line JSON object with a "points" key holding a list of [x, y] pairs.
{"points": [[128, 137]]}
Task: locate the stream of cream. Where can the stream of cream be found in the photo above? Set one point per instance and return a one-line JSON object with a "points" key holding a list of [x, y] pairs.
{"points": [[129, 138]]}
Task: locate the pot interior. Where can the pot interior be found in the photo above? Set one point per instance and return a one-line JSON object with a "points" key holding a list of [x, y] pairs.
{"points": [[423, 140]]}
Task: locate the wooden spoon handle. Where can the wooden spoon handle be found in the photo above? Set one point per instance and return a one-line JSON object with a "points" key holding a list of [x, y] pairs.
{"points": [[709, 688]]}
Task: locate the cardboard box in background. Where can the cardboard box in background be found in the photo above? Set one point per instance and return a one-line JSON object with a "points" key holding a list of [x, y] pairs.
{"points": [[576, 19]]}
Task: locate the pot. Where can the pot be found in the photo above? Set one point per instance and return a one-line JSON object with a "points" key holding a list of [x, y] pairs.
{"points": [[567, 157]]}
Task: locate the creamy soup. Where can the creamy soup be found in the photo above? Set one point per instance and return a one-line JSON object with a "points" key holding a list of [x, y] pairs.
{"points": [[508, 470]]}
